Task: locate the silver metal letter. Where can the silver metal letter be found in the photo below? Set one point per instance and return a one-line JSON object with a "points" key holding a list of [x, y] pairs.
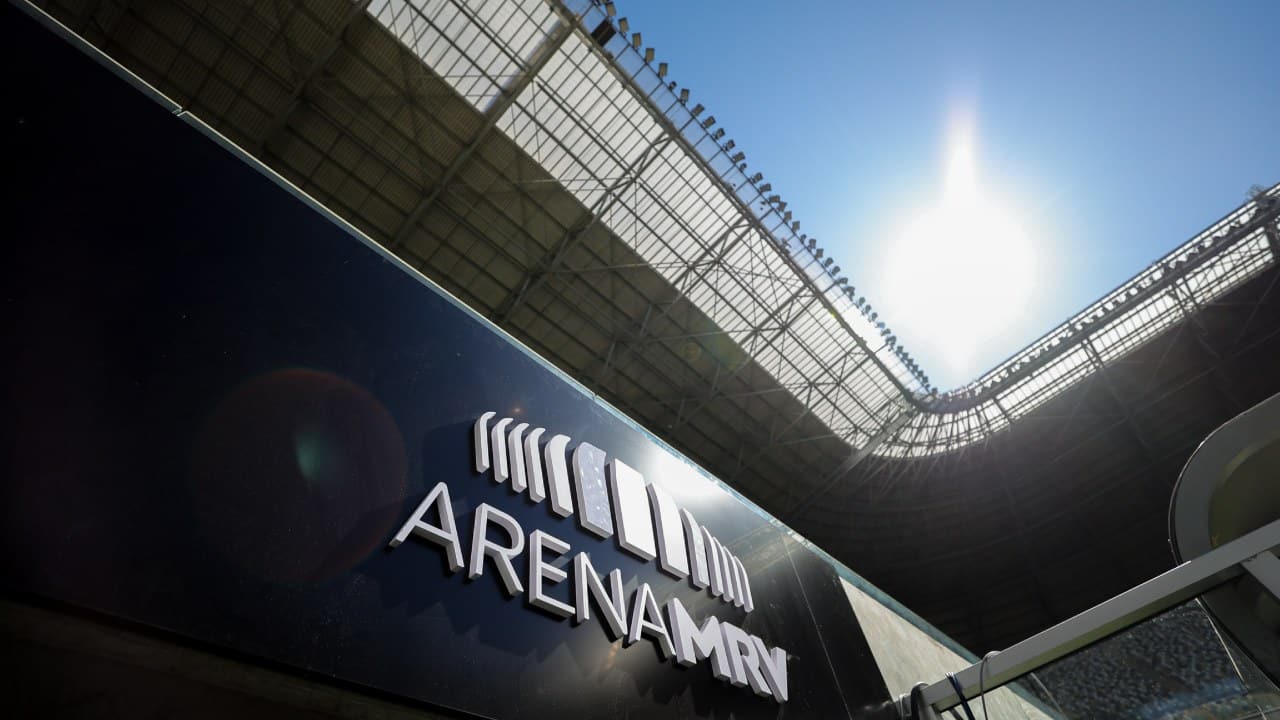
{"points": [[774, 663], [590, 490], [744, 585], [699, 577], [502, 555], [446, 534], [713, 563], [558, 476], [516, 458], [533, 465], [730, 580], [587, 586], [672, 557], [631, 510], [482, 441], [693, 644], [646, 619], [499, 436], [540, 571], [744, 663]]}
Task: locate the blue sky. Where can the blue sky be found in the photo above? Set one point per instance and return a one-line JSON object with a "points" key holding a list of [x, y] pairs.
{"points": [[1111, 132]]}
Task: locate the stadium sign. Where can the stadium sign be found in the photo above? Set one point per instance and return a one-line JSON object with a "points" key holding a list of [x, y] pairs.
{"points": [[648, 525]]}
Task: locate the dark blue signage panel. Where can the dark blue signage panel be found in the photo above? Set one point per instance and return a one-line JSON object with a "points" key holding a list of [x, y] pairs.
{"points": [[231, 419]]}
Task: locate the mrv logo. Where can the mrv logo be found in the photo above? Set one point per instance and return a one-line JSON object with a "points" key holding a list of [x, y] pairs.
{"points": [[609, 497]]}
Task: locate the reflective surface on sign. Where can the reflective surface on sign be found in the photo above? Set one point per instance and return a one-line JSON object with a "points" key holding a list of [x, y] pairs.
{"points": [[223, 407]]}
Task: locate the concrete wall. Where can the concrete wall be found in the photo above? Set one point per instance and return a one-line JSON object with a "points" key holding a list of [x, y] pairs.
{"points": [[908, 655]]}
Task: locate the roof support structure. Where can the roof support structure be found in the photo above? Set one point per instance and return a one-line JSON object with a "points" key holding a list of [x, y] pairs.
{"points": [[856, 456], [552, 263], [505, 100], [1131, 424], [317, 65]]}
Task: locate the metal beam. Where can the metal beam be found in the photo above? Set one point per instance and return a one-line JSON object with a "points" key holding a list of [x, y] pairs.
{"points": [[506, 98], [536, 277], [1152, 597], [1104, 373], [641, 339], [856, 456], [744, 210], [317, 65]]}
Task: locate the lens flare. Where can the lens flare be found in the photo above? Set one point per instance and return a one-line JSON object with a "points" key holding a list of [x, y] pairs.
{"points": [[961, 273], [298, 475]]}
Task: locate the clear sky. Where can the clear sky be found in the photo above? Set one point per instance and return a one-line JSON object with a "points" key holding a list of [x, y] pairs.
{"points": [[1093, 138]]}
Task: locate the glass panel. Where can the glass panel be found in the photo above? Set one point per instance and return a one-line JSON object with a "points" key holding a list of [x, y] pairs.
{"points": [[1174, 666]]}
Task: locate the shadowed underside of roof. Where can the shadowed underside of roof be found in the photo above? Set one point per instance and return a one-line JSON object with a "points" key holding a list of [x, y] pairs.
{"points": [[526, 157]]}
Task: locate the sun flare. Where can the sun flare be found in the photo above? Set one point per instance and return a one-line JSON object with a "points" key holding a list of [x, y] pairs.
{"points": [[961, 272]]}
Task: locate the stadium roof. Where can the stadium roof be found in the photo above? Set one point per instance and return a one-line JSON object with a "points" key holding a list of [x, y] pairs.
{"points": [[536, 160]]}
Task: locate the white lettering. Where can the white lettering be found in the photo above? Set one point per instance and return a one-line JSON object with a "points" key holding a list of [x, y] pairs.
{"points": [[646, 620], [744, 663], [774, 663], [444, 534], [631, 510], [533, 464], [587, 586], [540, 571], [502, 555], [516, 458], [591, 490], [498, 436], [693, 644], [482, 441], [672, 558], [558, 476], [713, 563], [699, 577]]}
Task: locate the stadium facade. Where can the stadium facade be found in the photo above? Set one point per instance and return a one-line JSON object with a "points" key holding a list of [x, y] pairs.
{"points": [[537, 162]]}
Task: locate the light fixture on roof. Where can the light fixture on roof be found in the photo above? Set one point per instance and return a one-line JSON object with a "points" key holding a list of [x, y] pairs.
{"points": [[742, 167], [773, 199], [795, 226], [684, 95], [729, 145], [711, 120], [636, 41], [786, 217], [662, 70], [782, 206], [835, 270], [697, 110], [623, 25], [648, 55], [738, 156], [766, 187], [827, 262], [813, 242], [757, 178], [610, 10], [719, 133]]}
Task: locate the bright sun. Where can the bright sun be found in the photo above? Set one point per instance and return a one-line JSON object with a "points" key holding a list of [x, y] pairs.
{"points": [[961, 273]]}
